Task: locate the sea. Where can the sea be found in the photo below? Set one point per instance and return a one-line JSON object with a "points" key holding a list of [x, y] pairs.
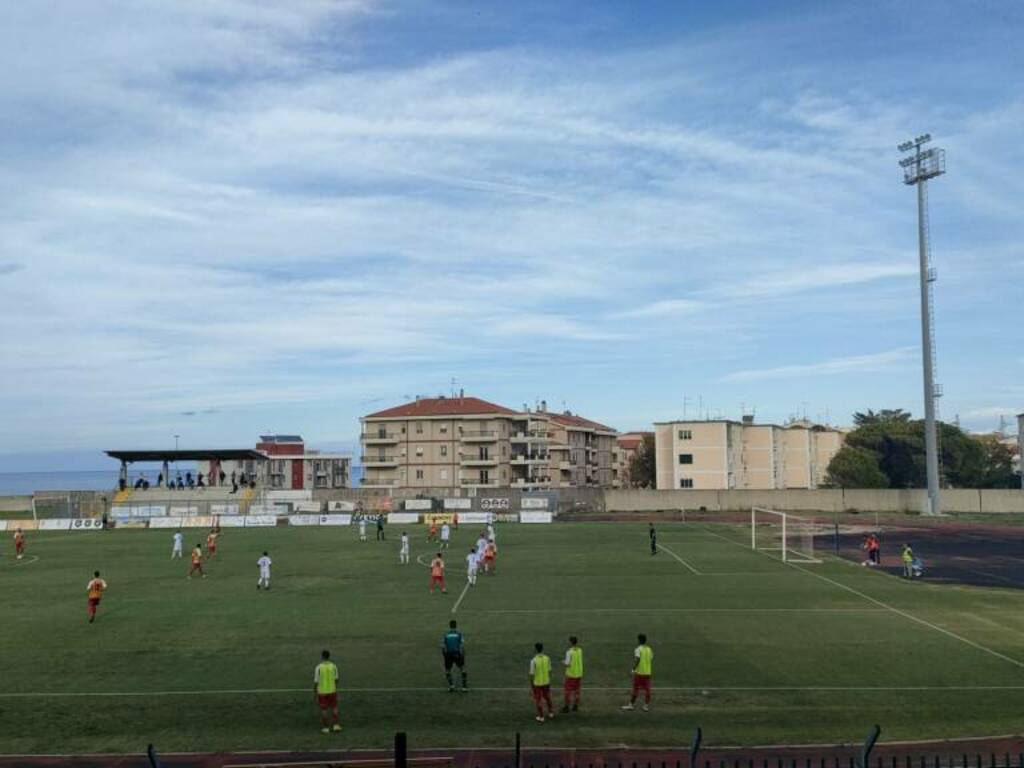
{"points": [[24, 483]]}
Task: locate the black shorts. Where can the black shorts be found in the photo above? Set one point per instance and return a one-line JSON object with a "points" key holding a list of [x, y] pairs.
{"points": [[453, 659]]}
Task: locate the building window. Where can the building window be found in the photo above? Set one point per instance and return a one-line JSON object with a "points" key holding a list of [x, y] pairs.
{"points": [[444, 474], [403, 429], [444, 430], [444, 450], [685, 434], [686, 482], [419, 474], [419, 427], [419, 452], [686, 458]]}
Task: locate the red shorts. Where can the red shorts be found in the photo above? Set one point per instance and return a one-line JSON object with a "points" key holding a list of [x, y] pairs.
{"points": [[327, 700], [488, 559], [642, 683], [212, 550], [93, 602], [541, 692], [19, 547], [437, 580], [573, 683]]}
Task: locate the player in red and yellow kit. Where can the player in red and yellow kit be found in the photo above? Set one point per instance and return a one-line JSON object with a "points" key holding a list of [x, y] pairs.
{"points": [[197, 562], [19, 544], [490, 556], [432, 531], [95, 588], [211, 544], [437, 574]]}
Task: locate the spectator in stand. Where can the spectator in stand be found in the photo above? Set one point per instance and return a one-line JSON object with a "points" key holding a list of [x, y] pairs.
{"points": [[160, 480], [121, 484], [234, 486], [222, 477], [232, 477], [181, 485], [145, 484], [200, 482], [189, 480]]}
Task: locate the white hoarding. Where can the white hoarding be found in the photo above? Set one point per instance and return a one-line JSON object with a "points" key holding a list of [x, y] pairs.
{"points": [[165, 522], [474, 517], [458, 503], [304, 520], [190, 510], [533, 503], [308, 507], [341, 506], [231, 521], [419, 504], [62, 524], [535, 517], [403, 518], [289, 496], [197, 521], [495, 505], [335, 519], [260, 521], [219, 509], [87, 524]]}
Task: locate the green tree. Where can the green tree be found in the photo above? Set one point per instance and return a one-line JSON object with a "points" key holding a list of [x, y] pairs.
{"points": [[854, 467], [897, 415], [643, 472], [998, 471]]}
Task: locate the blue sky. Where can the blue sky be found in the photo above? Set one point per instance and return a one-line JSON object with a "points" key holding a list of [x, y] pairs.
{"points": [[223, 218]]}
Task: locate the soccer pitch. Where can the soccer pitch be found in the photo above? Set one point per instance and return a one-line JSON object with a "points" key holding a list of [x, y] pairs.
{"points": [[753, 650]]}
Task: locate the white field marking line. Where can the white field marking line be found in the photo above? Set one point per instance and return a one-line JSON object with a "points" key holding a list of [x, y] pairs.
{"points": [[514, 689], [458, 602], [34, 559], [677, 557], [681, 610], [897, 611]]}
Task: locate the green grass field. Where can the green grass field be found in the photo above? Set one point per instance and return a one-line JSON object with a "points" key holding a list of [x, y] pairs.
{"points": [[753, 650]]}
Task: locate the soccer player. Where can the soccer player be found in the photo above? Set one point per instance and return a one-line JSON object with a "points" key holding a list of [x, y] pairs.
{"points": [[874, 550], [654, 538], [573, 675], [197, 562], [490, 530], [432, 531], [453, 648], [19, 544], [211, 544], [446, 533], [179, 540], [490, 555], [95, 588], [481, 546], [540, 682], [380, 528], [362, 529], [437, 574], [643, 659], [325, 691], [403, 553], [472, 564], [455, 521], [264, 564]]}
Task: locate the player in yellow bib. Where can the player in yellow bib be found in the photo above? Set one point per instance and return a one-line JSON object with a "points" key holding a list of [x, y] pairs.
{"points": [[643, 663], [540, 682], [325, 691], [573, 675]]}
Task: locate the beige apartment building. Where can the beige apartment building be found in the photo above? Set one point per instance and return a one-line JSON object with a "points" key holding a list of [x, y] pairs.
{"points": [[466, 442], [723, 454]]}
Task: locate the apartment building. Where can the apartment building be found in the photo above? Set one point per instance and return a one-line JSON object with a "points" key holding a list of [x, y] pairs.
{"points": [[290, 466], [723, 454], [466, 442]]}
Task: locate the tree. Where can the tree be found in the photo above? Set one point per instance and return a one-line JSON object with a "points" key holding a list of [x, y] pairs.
{"points": [[643, 471], [854, 467], [998, 470], [897, 415]]}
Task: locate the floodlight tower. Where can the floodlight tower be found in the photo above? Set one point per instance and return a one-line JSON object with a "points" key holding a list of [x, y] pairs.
{"points": [[917, 169]]}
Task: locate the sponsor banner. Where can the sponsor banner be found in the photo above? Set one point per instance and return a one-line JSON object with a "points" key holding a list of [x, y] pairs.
{"points": [[230, 521], [133, 523], [25, 525], [307, 507], [266, 509], [218, 509], [528, 502], [458, 503], [403, 518], [304, 520], [341, 506], [87, 524], [165, 522], [275, 497], [197, 521], [335, 519], [420, 504], [473, 518], [506, 517], [502, 503], [3, 525], [535, 517], [260, 521], [61, 524], [439, 518], [188, 511], [156, 511]]}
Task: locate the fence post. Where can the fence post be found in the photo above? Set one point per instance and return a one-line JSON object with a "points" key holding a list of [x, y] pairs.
{"points": [[698, 736], [400, 750], [518, 751], [869, 744]]}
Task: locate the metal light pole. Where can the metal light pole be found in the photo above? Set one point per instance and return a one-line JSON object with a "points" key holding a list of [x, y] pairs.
{"points": [[917, 169]]}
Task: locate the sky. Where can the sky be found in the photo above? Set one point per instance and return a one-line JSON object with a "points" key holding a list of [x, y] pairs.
{"points": [[226, 218]]}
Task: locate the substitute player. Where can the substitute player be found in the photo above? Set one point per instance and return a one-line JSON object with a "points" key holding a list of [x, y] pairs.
{"points": [[573, 675], [264, 564], [437, 574], [472, 564], [446, 533], [325, 691], [95, 589], [540, 682], [643, 660], [197, 562], [179, 541], [403, 553], [19, 544], [453, 648], [211, 544]]}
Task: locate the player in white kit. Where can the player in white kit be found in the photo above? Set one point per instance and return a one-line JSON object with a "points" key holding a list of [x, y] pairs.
{"points": [[264, 566], [472, 562], [362, 529], [446, 533], [403, 553], [179, 538], [490, 531], [481, 547]]}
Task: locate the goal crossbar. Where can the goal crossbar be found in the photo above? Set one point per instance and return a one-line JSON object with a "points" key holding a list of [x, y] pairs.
{"points": [[790, 536]]}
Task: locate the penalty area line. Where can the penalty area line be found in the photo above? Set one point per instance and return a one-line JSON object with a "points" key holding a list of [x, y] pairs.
{"points": [[677, 557], [32, 559], [458, 602]]}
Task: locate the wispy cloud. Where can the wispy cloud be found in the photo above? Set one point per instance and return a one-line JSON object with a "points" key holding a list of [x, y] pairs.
{"points": [[855, 364], [799, 279], [10, 267], [663, 308]]}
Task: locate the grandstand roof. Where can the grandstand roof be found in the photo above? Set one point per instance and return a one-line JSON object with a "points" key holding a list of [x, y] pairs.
{"points": [[208, 454]]}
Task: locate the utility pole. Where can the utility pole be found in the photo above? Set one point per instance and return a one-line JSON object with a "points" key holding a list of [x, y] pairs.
{"points": [[918, 167]]}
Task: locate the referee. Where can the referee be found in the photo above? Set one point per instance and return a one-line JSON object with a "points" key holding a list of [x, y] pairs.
{"points": [[453, 648]]}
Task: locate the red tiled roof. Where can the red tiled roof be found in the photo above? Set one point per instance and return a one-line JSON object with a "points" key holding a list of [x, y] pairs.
{"points": [[443, 406], [572, 420]]}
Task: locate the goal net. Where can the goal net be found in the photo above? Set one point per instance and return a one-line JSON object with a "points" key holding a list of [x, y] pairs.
{"points": [[789, 537]]}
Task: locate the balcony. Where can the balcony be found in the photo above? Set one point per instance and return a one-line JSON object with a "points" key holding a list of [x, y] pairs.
{"points": [[378, 482], [479, 436], [380, 461], [565, 466], [523, 459], [478, 461], [533, 436], [380, 438], [476, 481]]}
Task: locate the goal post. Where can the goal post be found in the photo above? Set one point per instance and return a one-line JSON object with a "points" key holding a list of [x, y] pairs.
{"points": [[789, 537]]}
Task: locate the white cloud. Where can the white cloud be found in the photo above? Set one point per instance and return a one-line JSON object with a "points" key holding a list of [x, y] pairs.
{"points": [[854, 364], [663, 308]]}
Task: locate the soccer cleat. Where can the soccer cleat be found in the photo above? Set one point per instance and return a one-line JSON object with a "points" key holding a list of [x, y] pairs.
{"points": [[325, 729], [551, 715], [627, 706], [336, 727], [539, 718], [645, 708]]}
